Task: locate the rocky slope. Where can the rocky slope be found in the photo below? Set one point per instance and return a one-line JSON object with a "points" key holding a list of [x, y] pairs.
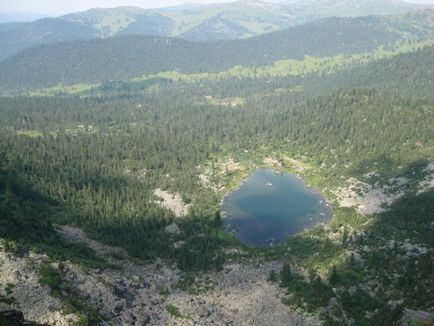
{"points": [[135, 294], [20, 289]]}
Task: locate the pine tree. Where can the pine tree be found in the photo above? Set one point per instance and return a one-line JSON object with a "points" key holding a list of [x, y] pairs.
{"points": [[286, 275], [218, 219], [334, 277]]}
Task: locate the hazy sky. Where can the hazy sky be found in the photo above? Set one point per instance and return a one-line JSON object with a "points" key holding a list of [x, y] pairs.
{"points": [[54, 7]]}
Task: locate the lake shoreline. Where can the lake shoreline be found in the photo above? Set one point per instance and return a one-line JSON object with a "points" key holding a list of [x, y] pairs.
{"points": [[293, 204]]}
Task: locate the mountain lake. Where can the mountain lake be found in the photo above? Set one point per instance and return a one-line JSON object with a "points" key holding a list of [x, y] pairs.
{"points": [[269, 206]]}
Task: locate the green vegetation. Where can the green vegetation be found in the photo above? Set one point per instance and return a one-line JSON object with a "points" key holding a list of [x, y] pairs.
{"points": [[234, 20], [5, 322], [52, 275], [106, 22], [290, 67], [323, 45], [197, 126], [27, 35], [174, 311], [122, 138], [308, 295], [8, 298], [25, 220], [189, 283]]}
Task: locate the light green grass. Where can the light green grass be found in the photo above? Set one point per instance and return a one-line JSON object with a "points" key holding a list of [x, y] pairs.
{"points": [[290, 67], [111, 24], [280, 68], [28, 133], [63, 89]]}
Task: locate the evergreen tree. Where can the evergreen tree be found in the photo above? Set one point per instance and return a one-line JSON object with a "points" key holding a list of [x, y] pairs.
{"points": [[334, 277], [286, 276]]}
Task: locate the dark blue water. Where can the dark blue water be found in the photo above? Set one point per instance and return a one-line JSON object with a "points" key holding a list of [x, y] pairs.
{"points": [[269, 206]]}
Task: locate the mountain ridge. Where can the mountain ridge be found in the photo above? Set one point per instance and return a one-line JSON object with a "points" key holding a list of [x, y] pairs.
{"points": [[130, 56], [234, 20]]}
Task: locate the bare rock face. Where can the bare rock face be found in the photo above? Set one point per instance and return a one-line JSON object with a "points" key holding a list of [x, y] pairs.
{"points": [[172, 202], [140, 295], [136, 294], [367, 198], [172, 229], [242, 296], [416, 316], [19, 283]]}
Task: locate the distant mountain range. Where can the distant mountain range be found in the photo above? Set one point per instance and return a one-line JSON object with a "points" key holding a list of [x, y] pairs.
{"points": [[124, 57], [235, 20]]}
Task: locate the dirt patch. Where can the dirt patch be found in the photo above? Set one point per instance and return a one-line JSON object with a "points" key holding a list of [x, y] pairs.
{"points": [[296, 165], [172, 202], [426, 184], [214, 175], [205, 174], [172, 229], [229, 166], [273, 162], [429, 167], [233, 102]]}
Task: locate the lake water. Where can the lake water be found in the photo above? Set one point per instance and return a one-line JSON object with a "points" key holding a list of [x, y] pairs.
{"points": [[269, 206]]}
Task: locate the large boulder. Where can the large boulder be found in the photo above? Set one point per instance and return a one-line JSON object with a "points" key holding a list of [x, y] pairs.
{"points": [[11, 317], [410, 316]]}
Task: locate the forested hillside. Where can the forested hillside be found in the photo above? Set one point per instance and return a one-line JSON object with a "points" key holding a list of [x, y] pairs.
{"points": [[20, 37], [234, 20], [347, 121], [340, 8], [90, 156], [123, 58], [409, 73]]}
